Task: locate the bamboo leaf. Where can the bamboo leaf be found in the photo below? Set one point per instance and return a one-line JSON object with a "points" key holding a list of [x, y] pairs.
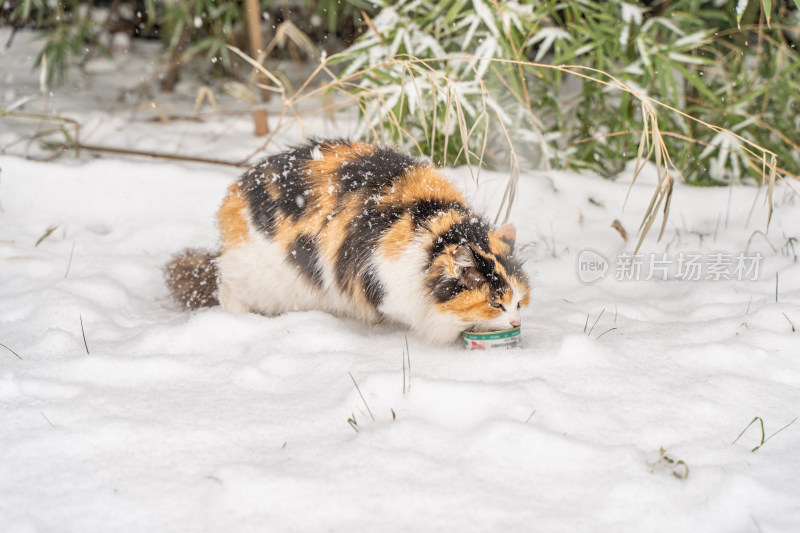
{"points": [[698, 84]]}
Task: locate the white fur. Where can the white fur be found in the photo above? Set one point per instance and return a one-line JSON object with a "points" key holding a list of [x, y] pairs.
{"points": [[256, 276], [407, 299]]}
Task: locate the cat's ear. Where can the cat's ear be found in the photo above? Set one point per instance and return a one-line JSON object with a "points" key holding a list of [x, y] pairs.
{"points": [[507, 232], [501, 240], [464, 268]]}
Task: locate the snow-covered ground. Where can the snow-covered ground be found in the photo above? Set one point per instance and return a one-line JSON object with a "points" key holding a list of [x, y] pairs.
{"points": [[618, 413]]}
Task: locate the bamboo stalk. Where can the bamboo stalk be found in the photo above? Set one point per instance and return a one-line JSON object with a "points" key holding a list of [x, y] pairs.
{"points": [[253, 17], [171, 78]]}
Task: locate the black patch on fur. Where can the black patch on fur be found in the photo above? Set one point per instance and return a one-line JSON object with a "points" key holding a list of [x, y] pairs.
{"points": [[304, 254], [487, 268], [445, 288], [469, 231], [359, 246], [510, 243], [424, 210], [263, 209], [373, 288], [288, 172], [511, 265], [374, 171]]}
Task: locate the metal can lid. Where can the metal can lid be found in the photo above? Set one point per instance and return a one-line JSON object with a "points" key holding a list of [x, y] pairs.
{"points": [[491, 335]]}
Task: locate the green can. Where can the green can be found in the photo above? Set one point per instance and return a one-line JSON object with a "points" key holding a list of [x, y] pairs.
{"points": [[488, 340]]}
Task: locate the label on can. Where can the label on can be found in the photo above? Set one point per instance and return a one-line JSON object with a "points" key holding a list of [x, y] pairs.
{"points": [[492, 339]]}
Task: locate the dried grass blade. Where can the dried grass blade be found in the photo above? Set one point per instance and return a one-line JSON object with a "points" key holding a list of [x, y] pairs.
{"points": [[644, 141], [771, 188], [649, 218], [261, 68], [667, 202], [10, 350]]}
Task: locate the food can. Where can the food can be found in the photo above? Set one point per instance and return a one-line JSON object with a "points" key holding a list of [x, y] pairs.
{"points": [[487, 340]]}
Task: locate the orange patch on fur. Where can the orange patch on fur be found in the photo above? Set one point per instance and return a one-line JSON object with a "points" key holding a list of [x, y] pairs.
{"points": [[273, 191], [498, 268], [333, 157], [526, 300], [285, 233], [310, 224], [471, 306], [400, 235], [506, 232], [324, 183], [422, 182], [442, 264], [439, 225], [232, 218], [335, 232], [497, 245], [506, 298]]}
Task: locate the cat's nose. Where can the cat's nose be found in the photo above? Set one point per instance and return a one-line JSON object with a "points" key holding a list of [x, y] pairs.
{"points": [[515, 323]]}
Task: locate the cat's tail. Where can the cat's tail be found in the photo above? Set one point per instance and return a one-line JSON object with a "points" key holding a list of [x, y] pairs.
{"points": [[192, 278]]}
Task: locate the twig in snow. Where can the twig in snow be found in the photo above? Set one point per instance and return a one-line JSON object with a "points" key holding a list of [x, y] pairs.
{"points": [[596, 321], [362, 397], [790, 322], [47, 419], [10, 350], [617, 225], [142, 153], [69, 263], [46, 234], [84, 335], [759, 232], [406, 357], [606, 331]]}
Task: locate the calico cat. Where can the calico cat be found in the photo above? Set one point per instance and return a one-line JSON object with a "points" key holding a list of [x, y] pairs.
{"points": [[361, 231]]}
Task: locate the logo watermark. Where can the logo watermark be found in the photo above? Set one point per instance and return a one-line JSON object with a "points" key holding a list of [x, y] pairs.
{"points": [[592, 266]]}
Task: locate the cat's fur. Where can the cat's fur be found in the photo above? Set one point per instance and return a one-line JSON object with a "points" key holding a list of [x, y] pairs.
{"points": [[361, 231]]}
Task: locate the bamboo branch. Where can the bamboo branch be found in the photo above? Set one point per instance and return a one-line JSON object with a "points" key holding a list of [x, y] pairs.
{"points": [[143, 153]]}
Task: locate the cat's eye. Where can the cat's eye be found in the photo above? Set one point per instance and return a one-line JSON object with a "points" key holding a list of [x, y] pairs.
{"points": [[497, 305], [519, 305]]}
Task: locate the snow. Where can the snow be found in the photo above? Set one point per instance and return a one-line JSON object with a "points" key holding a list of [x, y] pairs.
{"points": [[206, 421]]}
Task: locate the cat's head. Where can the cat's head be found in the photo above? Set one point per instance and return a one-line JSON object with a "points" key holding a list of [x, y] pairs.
{"points": [[481, 284]]}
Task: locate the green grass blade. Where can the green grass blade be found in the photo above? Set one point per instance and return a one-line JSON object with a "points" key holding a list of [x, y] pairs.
{"points": [[756, 419], [46, 234], [10, 350]]}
